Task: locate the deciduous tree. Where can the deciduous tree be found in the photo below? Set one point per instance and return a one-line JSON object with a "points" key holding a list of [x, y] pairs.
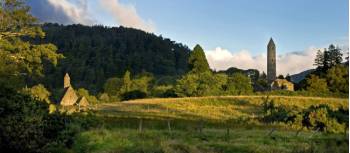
{"points": [[21, 58]]}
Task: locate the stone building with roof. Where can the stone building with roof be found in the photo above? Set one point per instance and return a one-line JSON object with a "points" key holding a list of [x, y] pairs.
{"points": [[282, 84], [69, 97]]}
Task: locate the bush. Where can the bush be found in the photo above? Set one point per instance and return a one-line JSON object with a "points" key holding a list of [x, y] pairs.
{"points": [[276, 113], [135, 94], [315, 117], [104, 97], [169, 93], [303, 93], [323, 118], [83, 92], [158, 91]]}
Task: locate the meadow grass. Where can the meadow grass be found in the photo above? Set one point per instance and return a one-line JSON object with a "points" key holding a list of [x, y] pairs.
{"points": [[210, 108], [205, 125], [210, 140]]}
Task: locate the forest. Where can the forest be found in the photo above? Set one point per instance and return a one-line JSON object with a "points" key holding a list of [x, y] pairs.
{"points": [[94, 54]]}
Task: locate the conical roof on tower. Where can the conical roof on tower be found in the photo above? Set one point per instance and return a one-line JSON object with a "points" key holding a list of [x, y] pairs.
{"points": [[271, 42]]}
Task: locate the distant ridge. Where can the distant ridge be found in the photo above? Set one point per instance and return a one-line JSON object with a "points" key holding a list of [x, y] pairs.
{"points": [[296, 78]]}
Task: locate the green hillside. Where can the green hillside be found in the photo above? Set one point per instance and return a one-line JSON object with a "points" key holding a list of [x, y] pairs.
{"points": [[94, 54], [210, 108], [206, 124]]}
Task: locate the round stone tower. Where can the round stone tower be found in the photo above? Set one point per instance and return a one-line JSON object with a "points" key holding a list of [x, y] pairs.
{"points": [[271, 62]]}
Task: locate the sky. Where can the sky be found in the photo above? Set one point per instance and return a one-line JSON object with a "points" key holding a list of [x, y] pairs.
{"points": [[232, 33]]}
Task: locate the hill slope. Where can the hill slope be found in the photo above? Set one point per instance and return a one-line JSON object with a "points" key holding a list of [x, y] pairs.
{"points": [[94, 54], [217, 109], [296, 78]]}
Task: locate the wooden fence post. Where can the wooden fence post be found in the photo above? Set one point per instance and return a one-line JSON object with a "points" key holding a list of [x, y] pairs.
{"points": [[200, 126], [140, 125], [169, 126], [228, 132]]}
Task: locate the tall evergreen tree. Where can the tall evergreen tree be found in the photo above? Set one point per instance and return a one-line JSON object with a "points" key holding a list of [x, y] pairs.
{"points": [[197, 60], [328, 58], [319, 60], [335, 55], [126, 82]]}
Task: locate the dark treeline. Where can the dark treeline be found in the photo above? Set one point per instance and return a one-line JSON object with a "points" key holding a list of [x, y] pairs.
{"points": [[95, 53]]}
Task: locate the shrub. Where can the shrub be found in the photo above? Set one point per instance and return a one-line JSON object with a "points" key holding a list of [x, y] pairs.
{"points": [[276, 113], [159, 91], [323, 118], [104, 97], [315, 117], [83, 92], [169, 93], [135, 94]]}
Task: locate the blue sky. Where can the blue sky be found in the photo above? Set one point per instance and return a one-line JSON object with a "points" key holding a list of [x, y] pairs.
{"points": [[248, 24], [233, 25]]}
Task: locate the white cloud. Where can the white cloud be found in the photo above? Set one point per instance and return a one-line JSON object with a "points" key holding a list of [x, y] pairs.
{"points": [[292, 63], [126, 15], [76, 12]]}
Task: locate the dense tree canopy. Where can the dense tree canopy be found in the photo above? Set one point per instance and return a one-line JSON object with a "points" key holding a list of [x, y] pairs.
{"points": [[25, 123], [330, 75], [95, 54], [316, 84], [21, 59], [239, 84], [253, 74], [338, 79], [200, 84]]}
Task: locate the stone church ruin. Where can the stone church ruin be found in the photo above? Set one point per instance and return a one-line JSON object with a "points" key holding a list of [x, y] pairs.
{"points": [[69, 97]]}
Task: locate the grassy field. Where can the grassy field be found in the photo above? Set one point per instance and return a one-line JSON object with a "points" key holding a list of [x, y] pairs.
{"points": [[205, 124]]}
